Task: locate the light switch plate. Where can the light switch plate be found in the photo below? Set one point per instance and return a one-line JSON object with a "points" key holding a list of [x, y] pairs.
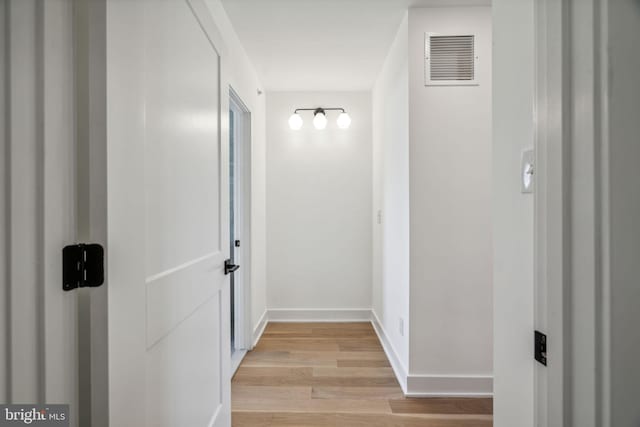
{"points": [[527, 171]]}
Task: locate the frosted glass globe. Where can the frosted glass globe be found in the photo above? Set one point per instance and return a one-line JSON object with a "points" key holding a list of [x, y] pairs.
{"points": [[320, 121], [344, 121], [295, 121]]}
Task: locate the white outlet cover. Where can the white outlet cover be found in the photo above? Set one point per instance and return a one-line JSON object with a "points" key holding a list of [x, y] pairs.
{"points": [[527, 171]]}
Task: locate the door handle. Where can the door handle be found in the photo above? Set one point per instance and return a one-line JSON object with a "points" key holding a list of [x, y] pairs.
{"points": [[230, 267]]}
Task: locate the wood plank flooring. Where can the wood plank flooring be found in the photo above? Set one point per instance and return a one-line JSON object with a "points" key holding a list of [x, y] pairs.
{"points": [[335, 375]]}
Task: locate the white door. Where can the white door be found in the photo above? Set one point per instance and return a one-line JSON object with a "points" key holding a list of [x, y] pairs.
{"points": [[167, 232], [239, 227]]}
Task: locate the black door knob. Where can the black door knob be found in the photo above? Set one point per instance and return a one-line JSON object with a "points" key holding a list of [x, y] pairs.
{"points": [[230, 267]]}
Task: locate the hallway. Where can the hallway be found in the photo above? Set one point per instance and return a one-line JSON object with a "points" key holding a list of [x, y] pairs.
{"points": [[375, 213], [335, 374]]}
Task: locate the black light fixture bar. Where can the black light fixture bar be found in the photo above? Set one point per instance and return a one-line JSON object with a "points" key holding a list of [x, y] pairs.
{"points": [[319, 109], [320, 118]]}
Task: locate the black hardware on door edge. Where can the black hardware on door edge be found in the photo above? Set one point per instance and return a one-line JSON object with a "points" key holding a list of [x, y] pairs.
{"points": [[540, 347], [230, 267], [82, 266]]}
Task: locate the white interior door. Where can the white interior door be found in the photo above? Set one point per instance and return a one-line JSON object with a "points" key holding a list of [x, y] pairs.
{"points": [[167, 216], [240, 226], [238, 117]]}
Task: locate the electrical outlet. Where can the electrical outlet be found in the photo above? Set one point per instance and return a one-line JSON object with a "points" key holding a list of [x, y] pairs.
{"points": [[401, 326]]}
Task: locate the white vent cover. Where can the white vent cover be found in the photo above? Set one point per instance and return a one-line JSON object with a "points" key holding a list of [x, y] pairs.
{"points": [[450, 60]]}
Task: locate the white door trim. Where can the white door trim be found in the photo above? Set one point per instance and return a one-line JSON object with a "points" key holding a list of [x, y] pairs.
{"points": [[90, 68], [549, 219], [571, 233], [37, 216], [245, 211]]}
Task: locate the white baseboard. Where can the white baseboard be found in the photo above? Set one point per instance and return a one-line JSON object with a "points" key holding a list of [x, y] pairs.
{"points": [[319, 315], [258, 330], [398, 367], [413, 385], [236, 360], [449, 385]]}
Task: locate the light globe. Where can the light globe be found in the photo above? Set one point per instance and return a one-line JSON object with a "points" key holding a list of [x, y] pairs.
{"points": [[320, 121], [295, 121], [344, 121]]}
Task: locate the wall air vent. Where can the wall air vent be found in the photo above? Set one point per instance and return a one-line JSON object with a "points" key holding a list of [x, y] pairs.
{"points": [[449, 60]]}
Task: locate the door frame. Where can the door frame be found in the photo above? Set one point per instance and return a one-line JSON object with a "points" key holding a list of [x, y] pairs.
{"points": [[244, 151], [38, 357], [571, 231]]}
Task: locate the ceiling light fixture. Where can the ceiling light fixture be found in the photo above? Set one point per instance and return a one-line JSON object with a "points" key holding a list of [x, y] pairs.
{"points": [[319, 118]]}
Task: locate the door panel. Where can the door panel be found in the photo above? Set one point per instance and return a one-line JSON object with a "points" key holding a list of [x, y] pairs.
{"points": [[174, 297], [168, 232], [181, 140], [184, 371]]}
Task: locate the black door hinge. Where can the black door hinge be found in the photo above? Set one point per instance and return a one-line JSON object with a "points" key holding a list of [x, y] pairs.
{"points": [[82, 266], [540, 347]]}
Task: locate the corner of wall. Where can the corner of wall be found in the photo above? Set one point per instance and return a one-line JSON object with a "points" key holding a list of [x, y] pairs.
{"points": [[390, 213], [396, 363], [259, 328], [246, 83]]}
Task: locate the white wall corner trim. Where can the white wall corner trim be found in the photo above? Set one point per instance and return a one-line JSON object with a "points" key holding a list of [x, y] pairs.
{"points": [[258, 330], [398, 368], [319, 315], [449, 385]]}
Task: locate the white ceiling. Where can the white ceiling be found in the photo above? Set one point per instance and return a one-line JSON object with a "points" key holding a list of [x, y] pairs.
{"points": [[321, 44]]}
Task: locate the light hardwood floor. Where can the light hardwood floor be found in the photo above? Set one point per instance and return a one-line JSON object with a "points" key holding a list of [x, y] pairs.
{"points": [[335, 374]]}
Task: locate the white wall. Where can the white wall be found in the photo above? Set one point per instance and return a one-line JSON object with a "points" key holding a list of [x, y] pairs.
{"points": [[450, 200], [513, 77], [245, 82], [318, 204], [390, 99], [432, 184]]}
